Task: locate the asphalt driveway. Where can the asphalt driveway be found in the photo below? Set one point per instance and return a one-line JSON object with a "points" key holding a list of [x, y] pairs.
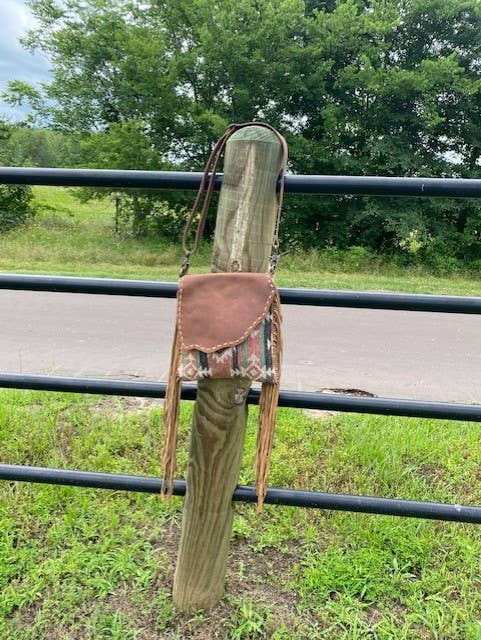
{"points": [[387, 353]]}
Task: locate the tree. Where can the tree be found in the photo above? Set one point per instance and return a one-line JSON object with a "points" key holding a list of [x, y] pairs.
{"points": [[388, 87], [15, 200], [15, 206], [124, 145], [38, 147], [186, 69], [357, 86]]}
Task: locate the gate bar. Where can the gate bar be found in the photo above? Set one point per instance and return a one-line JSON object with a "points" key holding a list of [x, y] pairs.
{"points": [[293, 399], [285, 497], [313, 297], [308, 184]]}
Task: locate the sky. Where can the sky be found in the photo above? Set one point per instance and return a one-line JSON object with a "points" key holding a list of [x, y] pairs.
{"points": [[16, 63]]}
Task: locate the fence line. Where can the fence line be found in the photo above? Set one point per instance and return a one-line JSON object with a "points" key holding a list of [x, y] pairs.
{"points": [[321, 185], [301, 184]]}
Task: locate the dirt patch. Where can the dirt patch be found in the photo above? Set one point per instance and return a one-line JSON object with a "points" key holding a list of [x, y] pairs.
{"points": [[260, 578], [256, 577], [320, 414], [126, 404], [434, 475]]}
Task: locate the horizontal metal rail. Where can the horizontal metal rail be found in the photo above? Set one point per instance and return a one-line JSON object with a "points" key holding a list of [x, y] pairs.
{"points": [[313, 297], [307, 184], [292, 399], [285, 497]]}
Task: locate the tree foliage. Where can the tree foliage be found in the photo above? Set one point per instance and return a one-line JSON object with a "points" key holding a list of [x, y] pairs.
{"points": [[15, 200], [359, 87], [15, 206], [38, 147]]}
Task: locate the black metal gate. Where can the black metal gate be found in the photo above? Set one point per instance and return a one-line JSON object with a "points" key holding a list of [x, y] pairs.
{"points": [[322, 185]]}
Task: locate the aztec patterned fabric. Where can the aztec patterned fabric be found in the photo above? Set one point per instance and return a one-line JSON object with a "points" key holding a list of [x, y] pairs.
{"points": [[252, 358]]}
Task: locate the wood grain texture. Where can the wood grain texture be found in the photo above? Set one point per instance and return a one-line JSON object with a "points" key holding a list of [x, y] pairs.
{"points": [[243, 238], [248, 201]]}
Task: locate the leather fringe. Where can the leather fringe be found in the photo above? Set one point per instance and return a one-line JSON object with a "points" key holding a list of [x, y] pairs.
{"points": [[171, 419], [267, 413], [268, 409]]}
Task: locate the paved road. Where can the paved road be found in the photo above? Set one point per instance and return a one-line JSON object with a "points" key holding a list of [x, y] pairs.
{"points": [[389, 353]]}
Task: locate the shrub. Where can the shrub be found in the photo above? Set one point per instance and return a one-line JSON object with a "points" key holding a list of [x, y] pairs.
{"points": [[145, 215], [15, 206]]}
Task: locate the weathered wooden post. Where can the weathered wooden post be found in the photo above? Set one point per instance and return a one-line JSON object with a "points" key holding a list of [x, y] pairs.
{"points": [[243, 242]]}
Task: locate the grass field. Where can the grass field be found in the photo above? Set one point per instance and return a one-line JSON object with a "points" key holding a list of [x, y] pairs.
{"points": [[89, 564], [74, 238], [80, 564]]}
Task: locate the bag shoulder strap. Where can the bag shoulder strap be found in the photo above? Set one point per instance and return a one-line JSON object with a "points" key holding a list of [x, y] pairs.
{"points": [[206, 190]]}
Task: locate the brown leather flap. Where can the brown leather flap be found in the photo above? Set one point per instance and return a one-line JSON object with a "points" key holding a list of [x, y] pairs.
{"points": [[219, 310]]}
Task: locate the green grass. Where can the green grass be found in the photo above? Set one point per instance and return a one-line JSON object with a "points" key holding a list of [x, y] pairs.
{"points": [[73, 238], [89, 564]]}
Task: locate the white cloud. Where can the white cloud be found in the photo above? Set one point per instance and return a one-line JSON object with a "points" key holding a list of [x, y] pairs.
{"points": [[16, 63]]}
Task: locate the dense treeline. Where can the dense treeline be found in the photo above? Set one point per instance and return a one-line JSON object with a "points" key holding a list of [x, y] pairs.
{"points": [[386, 87]]}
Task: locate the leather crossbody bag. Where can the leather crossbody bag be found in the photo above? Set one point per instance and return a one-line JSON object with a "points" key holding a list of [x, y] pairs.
{"points": [[227, 325]]}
